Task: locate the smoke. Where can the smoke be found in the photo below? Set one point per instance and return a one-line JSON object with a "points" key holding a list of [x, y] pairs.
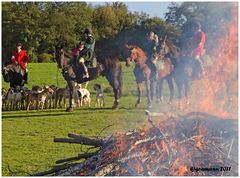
{"points": [[217, 91]]}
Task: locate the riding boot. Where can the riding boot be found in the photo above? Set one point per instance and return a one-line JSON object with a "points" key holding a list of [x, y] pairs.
{"points": [[155, 69], [82, 62], [201, 67], [201, 71], [25, 78], [86, 75]]}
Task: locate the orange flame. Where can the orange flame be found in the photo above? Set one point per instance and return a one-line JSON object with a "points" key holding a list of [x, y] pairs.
{"points": [[217, 91]]}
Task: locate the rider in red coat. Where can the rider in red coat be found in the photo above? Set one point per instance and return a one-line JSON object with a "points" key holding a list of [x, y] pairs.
{"points": [[198, 41], [20, 57], [197, 45]]}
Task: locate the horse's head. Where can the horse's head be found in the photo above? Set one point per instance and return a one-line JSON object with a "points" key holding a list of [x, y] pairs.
{"points": [[8, 71], [135, 53], [13, 73], [166, 46], [163, 47], [62, 57], [59, 56], [133, 56]]}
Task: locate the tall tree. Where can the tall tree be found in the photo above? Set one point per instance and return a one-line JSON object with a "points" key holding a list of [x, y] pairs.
{"points": [[105, 20]]}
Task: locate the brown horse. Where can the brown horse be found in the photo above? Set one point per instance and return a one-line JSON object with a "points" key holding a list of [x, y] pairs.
{"points": [[170, 53], [182, 71], [13, 73], [143, 72]]}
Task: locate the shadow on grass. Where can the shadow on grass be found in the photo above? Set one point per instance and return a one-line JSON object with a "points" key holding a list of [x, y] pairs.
{"points": [[35, 115], [59, 112], [95, 109]]}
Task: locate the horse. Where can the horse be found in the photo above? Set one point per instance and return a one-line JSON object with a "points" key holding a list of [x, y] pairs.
{"points": [[13, 73], [143, 72], [167, 68], [182, 70], [72, 71]]}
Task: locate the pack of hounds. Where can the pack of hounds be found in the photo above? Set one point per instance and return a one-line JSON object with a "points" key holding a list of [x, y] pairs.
{"points": [[49, 96]]}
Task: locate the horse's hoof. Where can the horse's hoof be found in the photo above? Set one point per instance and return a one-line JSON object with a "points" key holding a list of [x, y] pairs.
{"points": [[161, 99], [69, 110], [149, 106], [115, 107], [137, 105]]}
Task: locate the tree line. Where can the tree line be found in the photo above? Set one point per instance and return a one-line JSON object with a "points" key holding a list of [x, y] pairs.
{"points": [[40, 26]]}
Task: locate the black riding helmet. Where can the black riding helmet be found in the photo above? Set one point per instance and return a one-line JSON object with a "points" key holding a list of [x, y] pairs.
{"points": [[81, 43], [197, 25], [87, 31], [19, 44]]}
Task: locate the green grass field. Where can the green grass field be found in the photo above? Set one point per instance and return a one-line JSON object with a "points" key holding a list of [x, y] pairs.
{"points": [[27, 137]]}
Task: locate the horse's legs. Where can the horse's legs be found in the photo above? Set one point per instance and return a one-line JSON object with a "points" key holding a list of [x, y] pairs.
{"points": [[179, 84], [152, 84], [76, 98], [71, 85], [139, 87], [117, 89], [159, 90], [187, 85], [148, 84], [64, 102], [171, 88], [115, 80]]}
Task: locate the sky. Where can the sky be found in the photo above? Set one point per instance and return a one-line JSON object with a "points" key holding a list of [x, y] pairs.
{"points": [[152, 8]]}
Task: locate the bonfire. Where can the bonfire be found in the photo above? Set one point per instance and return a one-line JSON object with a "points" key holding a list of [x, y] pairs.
{"points": [[194, 144]]}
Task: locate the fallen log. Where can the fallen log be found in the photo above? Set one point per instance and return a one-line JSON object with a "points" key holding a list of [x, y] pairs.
{"points": [[80, 156], [87, 141], [78, 139]]}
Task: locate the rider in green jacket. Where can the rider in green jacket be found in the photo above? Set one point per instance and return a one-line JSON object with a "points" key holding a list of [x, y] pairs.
{"points": [[87, 54]]}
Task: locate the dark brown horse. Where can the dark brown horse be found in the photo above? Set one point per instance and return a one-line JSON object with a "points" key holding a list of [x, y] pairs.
{"points": [[72, 72], [143, 73]]}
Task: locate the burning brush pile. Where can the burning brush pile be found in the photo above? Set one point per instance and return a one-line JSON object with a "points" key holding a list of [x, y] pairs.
{"points": [[196, 144]]}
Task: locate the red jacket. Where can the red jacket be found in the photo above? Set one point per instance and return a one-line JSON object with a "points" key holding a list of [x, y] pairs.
{"points": [[21, 58], [197, 43], [75, 52]]}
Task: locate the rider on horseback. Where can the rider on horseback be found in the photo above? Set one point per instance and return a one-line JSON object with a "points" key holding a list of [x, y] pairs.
{"points": [[197, 45], [152, 45], [20, 57], [87, 53]]}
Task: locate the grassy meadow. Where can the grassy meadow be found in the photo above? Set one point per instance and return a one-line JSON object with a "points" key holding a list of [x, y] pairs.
{"points": [[27, 137]]}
